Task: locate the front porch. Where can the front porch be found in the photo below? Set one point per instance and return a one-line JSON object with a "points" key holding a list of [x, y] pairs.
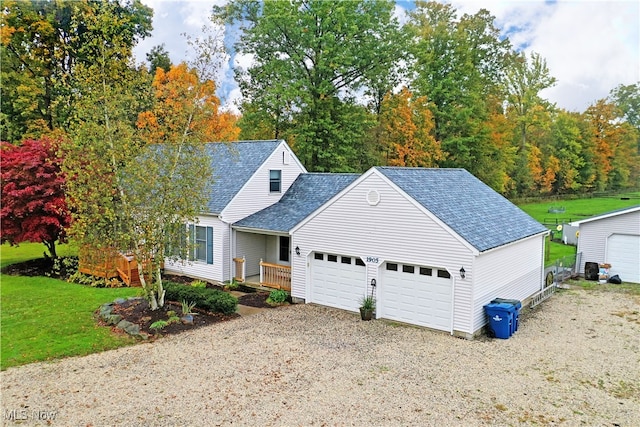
{"points": [[275, 276]]}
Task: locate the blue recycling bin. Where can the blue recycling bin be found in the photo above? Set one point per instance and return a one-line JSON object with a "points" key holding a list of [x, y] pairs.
{"points": [[500, 319], [516, 316]]}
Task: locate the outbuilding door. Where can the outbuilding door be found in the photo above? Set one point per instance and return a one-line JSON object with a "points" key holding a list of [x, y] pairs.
{"points": [[623, 253], [416, 294], [337, 280]]}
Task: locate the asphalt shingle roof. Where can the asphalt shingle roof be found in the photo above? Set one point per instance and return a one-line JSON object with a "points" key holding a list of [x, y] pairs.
{"points": [[471, 208], [233, 164], [307, 193]]}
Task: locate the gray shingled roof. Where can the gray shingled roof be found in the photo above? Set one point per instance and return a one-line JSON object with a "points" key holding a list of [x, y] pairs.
{"points": [[307, 193], [472, 209], [620, 211], [233, 164]]}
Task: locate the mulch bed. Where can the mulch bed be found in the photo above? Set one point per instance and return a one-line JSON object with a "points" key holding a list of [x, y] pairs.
{"points": [[34, 267], [256, 299], [138, 312]]}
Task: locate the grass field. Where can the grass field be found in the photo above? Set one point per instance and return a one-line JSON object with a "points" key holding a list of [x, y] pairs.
{"points": [[575, 210], [44, 318], [579, 208]]}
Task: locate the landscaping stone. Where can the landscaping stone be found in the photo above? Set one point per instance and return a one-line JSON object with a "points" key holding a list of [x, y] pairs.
{"points": [[113, 319]]}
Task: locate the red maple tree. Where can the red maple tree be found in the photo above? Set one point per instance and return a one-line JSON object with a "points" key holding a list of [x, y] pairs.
{"points": [[33, 202]]}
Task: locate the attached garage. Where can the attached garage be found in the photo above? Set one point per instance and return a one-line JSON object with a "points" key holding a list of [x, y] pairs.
{"points": [[337, 280], [416, 294], [613, 238], [426, 243]]}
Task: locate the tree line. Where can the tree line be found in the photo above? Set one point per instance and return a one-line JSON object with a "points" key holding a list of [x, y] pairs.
{"points": [[349, 86], [344, 83]]}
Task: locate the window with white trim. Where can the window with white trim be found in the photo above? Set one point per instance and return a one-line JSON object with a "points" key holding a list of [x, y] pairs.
{"points": [[202, 240], [275, 181]]}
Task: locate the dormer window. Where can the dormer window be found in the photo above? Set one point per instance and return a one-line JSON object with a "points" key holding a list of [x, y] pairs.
{"points": [[275, 181]]}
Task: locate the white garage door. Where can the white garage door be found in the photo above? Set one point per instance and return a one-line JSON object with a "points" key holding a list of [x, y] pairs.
{"points": [[623, 253], [417, 295], [338, 281]]}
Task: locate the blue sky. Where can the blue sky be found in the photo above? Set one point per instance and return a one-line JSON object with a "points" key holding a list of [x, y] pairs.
{"points": [[590, 46]]}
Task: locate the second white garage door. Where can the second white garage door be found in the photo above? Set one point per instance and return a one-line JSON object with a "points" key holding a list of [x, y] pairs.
{"points": [[623, 252], [337, 281], [417, 295]]}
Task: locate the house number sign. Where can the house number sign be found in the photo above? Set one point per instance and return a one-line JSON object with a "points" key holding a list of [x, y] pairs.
{"points": [[371, 259]]}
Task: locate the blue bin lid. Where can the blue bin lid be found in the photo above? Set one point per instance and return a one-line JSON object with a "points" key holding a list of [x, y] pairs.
{"points": [[500, 307]]}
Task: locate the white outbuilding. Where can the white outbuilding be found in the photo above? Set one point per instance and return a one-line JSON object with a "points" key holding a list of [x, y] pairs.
{"points": [[612, 238]]}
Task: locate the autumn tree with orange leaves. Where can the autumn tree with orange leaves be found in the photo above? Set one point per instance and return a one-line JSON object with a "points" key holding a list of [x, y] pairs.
{"points": [[406, 131], [186, 108]]}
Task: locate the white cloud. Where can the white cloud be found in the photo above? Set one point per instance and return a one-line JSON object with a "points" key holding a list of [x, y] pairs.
{"points": [[590, 46]]}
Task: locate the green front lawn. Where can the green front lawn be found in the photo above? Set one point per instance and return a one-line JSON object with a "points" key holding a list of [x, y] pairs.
{"points": [[27, 251], [44, 318]]}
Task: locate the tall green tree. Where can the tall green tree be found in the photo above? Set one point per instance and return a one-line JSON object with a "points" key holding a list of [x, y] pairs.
{"points": [[525, 78], [311, 58], [42, 43], [158, 57], [459, 64]]}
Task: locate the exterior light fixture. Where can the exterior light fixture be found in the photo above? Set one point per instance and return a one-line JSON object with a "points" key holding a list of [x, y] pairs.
{"points": [[297, 250], [462, 273], [373, 283]]}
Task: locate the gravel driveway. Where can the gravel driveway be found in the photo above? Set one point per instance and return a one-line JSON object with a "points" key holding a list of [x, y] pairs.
{"points": [[574, 361]]}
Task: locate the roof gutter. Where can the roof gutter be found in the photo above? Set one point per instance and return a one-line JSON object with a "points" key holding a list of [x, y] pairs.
{"points": [[260, 231]]}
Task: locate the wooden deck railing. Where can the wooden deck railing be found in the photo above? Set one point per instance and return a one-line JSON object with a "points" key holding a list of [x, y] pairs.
{"points": [[99, 263], [240, 270], [275, 276], [127, 268]]}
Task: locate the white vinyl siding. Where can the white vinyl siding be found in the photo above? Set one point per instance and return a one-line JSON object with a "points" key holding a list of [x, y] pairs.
{"points": [[395, 229], [512, 271], [592, 241], [219, 269], [252, 247], [255, 194]]}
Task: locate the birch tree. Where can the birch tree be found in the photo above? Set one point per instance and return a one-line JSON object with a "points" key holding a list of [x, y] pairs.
{"points": [[138, 175]]}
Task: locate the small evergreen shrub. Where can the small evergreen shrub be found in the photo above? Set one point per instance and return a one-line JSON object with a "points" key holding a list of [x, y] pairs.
{"points": [[277, 296], [204, 298]]}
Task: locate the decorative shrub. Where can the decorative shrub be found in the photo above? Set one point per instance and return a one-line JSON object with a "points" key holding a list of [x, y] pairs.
{"points": [[199, 284], [204, 298], [277, 296], [233, 285], [160, 324]]}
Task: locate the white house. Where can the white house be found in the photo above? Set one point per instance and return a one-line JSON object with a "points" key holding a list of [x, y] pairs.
{"points": [[247, 177], [432, 245], [612, 238]]}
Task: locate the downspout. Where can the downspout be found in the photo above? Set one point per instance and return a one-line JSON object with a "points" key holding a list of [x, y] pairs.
{"points": [[231, 253], [453, 303], [541, 279]]}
